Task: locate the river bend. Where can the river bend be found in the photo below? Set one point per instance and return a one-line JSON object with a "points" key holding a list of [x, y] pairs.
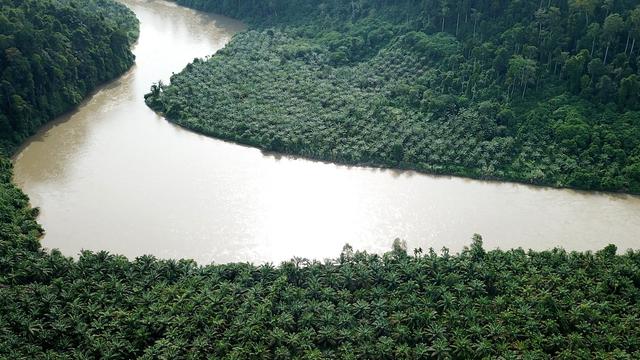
{"points": [[114, 175]]}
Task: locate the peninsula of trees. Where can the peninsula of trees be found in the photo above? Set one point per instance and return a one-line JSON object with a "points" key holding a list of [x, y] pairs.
{"points": [[543, 92]]}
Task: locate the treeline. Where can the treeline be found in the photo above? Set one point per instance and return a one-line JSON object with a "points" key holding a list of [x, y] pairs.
{"points": [[545, 92], [53, 53]]}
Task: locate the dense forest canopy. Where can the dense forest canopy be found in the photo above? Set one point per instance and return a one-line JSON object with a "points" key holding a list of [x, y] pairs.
{"points": [[544, 92], [53, 53], [425, 304]]}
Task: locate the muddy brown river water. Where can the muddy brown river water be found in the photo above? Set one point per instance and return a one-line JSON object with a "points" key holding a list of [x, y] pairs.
{"points": [[114, 175]]}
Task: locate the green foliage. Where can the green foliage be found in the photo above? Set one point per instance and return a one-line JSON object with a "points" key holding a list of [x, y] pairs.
{"points": [[476, 304], [538, 92], [53, 53], [472, 305]]}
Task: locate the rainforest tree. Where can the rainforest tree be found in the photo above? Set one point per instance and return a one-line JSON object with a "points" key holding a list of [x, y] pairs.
{"points": [[53, 53]]}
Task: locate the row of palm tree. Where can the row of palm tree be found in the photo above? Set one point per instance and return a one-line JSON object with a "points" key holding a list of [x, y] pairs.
{"points": [[474, 304]]}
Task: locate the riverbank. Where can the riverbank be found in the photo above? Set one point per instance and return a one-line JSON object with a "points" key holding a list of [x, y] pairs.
{"points": [[52, 66]]}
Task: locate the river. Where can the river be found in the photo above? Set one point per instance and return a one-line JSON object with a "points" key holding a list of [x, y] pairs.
{"points": [[115, 176]]}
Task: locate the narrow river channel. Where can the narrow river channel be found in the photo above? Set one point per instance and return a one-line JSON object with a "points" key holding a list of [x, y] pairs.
{"points": [[115, 176]]}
